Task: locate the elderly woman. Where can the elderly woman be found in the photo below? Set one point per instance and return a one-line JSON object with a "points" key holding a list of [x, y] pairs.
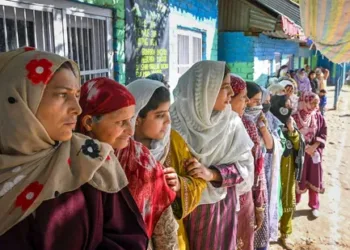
{"points": [[55, 184], [108, 108], [152, 129], [202, 115]]}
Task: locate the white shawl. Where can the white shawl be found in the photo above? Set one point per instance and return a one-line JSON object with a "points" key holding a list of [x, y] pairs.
{"points": [[143, 90], [215, 138]]}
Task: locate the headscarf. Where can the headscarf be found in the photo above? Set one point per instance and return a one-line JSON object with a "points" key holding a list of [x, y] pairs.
{"points": [[156, 77], [143, 90], [34, 168], [276, 89], [237, 84], [96, 98], [305, 118], [252, 89], [278, 108], [303, 81], [282, 71], [213, 137], [146, 179], [253, 113], [264, 96]]}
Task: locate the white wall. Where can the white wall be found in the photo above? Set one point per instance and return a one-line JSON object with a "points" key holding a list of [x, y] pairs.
{"points": [[186, 20]]}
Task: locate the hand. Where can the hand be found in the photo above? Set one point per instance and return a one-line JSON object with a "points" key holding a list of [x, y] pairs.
{"points": [[259, 219], [289, 90], [197, 170], [172, 179], [262, 122], [310, 150], [290, 125]]}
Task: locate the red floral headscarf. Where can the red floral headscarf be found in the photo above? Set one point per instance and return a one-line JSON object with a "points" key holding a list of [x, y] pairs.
{"points": [[145, 175], [237, 84], [33, 167], [102, 95]]}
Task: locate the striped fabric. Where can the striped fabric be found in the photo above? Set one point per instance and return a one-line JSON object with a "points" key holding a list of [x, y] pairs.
{"points": [[327, 23], [213, 226]]}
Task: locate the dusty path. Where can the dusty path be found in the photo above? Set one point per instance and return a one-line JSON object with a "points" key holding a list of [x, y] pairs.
{"points": [[331, 231]]}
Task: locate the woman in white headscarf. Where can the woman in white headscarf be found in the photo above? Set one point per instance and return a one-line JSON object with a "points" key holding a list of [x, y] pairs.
{"points": [[215, 134], [153, 130]]}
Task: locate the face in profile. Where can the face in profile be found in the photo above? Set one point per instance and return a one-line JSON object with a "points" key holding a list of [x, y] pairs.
{"points": [[225, 94], [59, 106], [255, 100], [114, 128], [239, 102], [155, 125]]}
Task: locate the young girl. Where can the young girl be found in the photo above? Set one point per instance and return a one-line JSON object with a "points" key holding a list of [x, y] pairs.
{"points": [[152, 128], [58, 190]]}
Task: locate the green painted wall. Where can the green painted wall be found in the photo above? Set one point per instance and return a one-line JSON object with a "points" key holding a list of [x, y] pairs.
{"points": [[243, 69], [314, 62], [118, 34]]}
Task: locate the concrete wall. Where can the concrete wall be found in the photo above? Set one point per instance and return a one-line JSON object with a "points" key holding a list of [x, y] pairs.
{"points": [[197, 16], [118, 34], [252, 57]]}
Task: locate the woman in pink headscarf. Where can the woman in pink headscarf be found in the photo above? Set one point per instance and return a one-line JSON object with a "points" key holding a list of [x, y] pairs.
{"points": [[314, 128], [252, 204]]}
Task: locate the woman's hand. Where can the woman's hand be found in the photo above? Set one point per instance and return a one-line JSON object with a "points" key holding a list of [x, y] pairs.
{"points": [[310, 150], [262, 119], [289, 90], [172, 179], [197, 170]]}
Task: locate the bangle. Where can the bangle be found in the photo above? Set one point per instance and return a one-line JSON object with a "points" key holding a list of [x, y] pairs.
{"points": [[260, 209]]}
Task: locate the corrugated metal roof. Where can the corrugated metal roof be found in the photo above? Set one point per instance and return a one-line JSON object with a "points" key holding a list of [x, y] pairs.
{"points": [[284, 7], [241, 15]]}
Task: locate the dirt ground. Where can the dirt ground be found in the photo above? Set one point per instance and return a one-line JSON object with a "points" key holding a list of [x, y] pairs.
{"points": [[331, 231]]}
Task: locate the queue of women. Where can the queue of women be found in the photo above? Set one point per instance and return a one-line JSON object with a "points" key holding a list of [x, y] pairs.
{"points": [[105, 166]]}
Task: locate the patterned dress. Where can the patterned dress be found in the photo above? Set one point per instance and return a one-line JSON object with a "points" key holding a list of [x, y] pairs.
{"points": [[255, 198]]}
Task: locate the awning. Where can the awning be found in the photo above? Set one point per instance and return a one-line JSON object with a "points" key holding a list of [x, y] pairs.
{"points": [[327, 23]]}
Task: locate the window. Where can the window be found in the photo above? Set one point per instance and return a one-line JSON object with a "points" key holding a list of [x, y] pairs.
{"points": [[80, 32], [189, 45]]}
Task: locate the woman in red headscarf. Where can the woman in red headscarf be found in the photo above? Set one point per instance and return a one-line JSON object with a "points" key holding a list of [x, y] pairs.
{"points": [[314, 128], [108, 108], [251, 213]]}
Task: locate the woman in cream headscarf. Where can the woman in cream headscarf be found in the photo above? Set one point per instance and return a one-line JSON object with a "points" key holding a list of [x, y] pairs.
{"points": [[215, 135], [54, 183], [153, 130]]}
